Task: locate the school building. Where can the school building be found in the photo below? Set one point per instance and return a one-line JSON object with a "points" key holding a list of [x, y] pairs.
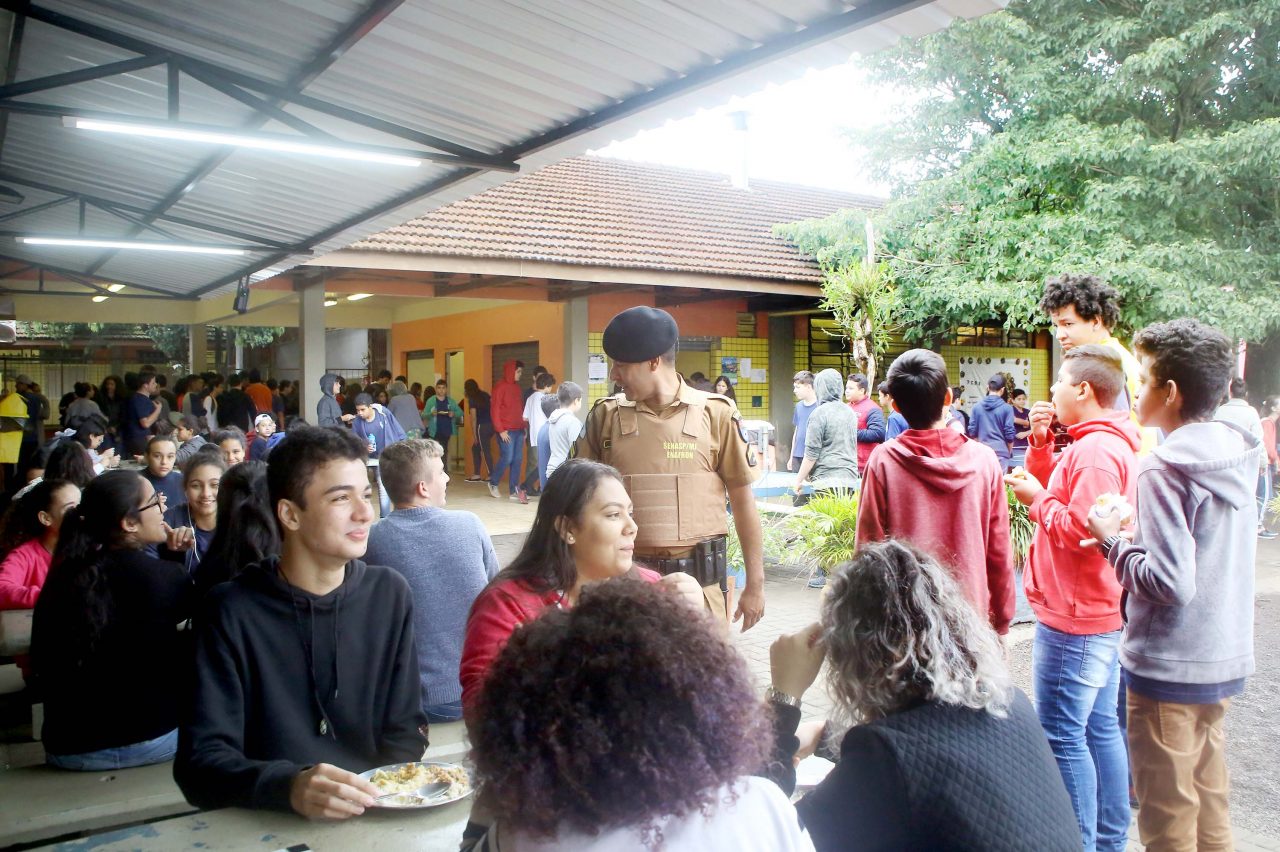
{"points": [[535, 268]]}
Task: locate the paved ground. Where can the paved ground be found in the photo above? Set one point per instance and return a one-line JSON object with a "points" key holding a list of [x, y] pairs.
{"points": [[1252, 752]]}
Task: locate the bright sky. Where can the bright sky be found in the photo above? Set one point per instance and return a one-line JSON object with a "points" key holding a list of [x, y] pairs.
{"points": [[795, 132]]}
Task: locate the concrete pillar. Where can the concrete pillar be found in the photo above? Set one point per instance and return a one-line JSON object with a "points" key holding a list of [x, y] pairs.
{"points": [[575, 342], [782, 399], [198, 347], [311, 339]]}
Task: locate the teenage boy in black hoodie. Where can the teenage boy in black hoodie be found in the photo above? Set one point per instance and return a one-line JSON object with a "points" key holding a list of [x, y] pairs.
{"points": [[306, 669]]}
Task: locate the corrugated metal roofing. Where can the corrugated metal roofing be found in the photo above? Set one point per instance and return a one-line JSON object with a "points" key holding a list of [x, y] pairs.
{"points": [[540, 80]]}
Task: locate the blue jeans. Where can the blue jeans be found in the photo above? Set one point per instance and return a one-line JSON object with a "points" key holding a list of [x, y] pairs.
{"points": [[510, 458], [159, 750], [450, 711], [1076, 683]]}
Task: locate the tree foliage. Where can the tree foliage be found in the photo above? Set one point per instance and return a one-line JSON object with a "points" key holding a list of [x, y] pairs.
{"points": [[1133, 139], [172, 340]]}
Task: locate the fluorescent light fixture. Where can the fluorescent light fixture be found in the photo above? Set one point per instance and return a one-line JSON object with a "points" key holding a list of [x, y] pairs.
{"points": [[218, 136], [329, 303], [115, 288], [77, 242], [100, 298], [355, 297]]}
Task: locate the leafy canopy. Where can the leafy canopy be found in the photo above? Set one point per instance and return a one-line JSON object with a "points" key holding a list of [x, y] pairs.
{"points": [[1136, 140]]}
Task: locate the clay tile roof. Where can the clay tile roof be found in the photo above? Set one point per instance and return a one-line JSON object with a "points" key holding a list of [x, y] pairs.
{"points": [[607, 212]]}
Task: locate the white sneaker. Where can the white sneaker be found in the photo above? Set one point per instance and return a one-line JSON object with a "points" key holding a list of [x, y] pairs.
{"points": [[493, 490]]}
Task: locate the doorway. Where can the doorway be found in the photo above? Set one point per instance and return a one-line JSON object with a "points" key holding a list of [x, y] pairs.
{"points": [[420, 366], [455, 374]]}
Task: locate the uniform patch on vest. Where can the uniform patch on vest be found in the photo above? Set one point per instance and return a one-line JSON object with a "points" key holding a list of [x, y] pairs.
{"points": [[751, 455], [679, 449]]}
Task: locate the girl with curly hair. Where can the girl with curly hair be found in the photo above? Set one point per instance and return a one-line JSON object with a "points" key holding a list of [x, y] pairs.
{"points": [[583, 533], [944, 752], [109, 648], [627, 722], [30, 536]]}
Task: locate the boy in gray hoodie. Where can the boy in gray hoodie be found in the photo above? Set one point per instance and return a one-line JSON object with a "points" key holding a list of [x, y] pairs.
{"points": [[1188, 579]]}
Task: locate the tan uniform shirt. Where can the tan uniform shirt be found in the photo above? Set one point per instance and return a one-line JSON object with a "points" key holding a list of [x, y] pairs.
{"points": [[676, 462]]}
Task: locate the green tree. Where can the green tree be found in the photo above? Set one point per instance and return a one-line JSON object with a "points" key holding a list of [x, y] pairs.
{"points": [[1133, 139]]}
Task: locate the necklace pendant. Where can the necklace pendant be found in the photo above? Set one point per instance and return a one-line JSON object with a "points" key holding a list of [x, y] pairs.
{"points": [[324, 727]]}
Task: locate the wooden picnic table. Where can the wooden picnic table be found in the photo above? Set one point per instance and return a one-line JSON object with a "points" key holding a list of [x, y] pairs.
{"points": [[15, 632], [426, 829]]}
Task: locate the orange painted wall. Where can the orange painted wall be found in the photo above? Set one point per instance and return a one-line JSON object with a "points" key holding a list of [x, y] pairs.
{"points": [[477, 332]]}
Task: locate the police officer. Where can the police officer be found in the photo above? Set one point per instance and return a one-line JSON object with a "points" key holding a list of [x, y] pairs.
{"points": [[679, 451]]}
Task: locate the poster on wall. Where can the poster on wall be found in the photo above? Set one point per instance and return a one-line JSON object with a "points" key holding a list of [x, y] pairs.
{"points": [[729, 369], [975, 372], [597, 369]]}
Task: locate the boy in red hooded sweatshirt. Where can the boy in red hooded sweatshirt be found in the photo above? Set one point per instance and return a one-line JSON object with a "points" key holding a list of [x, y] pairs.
{"points": [[940, 491], [506, 408], [1073, 590]]}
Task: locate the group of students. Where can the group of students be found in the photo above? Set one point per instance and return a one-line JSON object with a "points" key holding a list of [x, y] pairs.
{"points": [[607, 711], [1144, 620]]}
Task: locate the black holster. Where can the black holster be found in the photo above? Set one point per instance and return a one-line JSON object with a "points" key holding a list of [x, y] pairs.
{"points": [[708, 563]]}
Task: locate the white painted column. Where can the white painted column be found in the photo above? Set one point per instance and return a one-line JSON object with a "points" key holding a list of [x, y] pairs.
{"points": [[575, 342], [311, 340]]}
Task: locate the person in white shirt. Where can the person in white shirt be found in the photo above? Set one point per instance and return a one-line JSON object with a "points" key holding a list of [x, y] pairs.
{"points": [[534, 418], [1239, 412], [573, 757], [564, 427]]}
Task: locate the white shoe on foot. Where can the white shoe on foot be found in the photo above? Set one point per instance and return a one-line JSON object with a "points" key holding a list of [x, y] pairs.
{"points": [[493, 490]]}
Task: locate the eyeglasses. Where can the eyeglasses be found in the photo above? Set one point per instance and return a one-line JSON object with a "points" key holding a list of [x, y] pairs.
{"points": [[158, 500]]}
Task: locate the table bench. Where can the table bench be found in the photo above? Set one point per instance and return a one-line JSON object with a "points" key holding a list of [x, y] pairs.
{"points": [[41, 803]]}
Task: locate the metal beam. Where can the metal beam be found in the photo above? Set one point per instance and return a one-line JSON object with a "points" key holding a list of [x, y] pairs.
{"points": [[478, 282], [104, 203], [290, 91], [422, 190], [39, 208], [11, 67], [244, 248], [75, 275], [256, 103], [82, 294], [82, 75]]}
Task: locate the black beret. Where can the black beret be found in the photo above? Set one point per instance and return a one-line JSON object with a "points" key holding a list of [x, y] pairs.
{"points": [[640, 334]]}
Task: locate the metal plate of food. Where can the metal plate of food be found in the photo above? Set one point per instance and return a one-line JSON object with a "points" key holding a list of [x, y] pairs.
{"points": [[405, 778]]}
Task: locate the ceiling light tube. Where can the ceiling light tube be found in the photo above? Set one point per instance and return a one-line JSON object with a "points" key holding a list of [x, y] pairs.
{"points": [[329, 303], [355, 297], [217, 136], [78, 242], [115, 288], [100, 298]]}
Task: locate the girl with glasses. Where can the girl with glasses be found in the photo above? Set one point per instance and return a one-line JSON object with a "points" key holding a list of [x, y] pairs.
{"points": [[110, 647]]}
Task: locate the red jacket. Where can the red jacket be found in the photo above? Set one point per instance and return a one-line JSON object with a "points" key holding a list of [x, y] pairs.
{"points": [[945, 494], [506, 406], [501, 608], [1071, 587]]}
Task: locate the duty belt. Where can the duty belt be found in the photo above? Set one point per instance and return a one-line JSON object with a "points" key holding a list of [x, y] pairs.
{"points": [[708, 563]]}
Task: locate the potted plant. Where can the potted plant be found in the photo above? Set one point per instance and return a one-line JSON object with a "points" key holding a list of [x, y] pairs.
{"points": [[825, 532], [1020, 529]]}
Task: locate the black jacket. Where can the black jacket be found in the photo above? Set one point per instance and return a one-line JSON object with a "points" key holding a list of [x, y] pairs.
{"points": [[128, 688], [936, 777], [236, 408], [285, 679]]}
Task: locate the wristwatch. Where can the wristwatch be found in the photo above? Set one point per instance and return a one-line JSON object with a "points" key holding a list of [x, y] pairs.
{"points": [[781, 697], [1109, 544]]}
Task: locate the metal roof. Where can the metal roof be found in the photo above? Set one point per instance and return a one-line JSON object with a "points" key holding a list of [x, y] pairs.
{"points": [[491, 84]]}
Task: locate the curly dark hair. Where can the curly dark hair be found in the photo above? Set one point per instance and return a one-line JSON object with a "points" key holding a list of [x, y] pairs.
{"points": [[1092, 297], [1199, 358], [625, 709]]}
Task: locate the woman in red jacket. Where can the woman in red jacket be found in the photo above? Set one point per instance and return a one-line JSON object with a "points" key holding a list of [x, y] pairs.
{"points": [[583, 533]]}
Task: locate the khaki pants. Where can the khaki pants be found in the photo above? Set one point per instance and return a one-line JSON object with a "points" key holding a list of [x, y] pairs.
{"points": [[1178, 757]]}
